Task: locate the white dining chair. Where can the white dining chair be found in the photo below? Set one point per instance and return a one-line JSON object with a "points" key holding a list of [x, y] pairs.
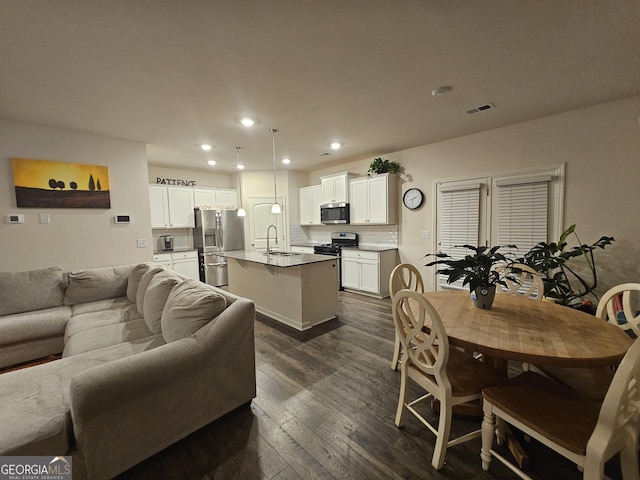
{"points": [[565, 421], [521, 280], [617, 306], [448, 375], [403, 276]]}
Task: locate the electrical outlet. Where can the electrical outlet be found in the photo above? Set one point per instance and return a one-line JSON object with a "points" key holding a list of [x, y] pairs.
{"points": [[426, 234], [44, 218], [142, 243]]}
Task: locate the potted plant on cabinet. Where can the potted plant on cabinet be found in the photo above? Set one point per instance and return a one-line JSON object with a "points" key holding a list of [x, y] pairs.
{"points": [[563, 283], [378, 165], [477, 269]]}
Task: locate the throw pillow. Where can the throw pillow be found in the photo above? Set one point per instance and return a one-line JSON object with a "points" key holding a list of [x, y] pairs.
{"points": [[134, 280], [142, 287], [156, 296], [31, 290], [95, 284], [190, 306]]}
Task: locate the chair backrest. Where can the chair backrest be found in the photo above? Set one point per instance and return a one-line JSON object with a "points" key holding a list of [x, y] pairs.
{"points": [[521, 280], [617, 306], [405, 276], [619, 418], [426, 349]]}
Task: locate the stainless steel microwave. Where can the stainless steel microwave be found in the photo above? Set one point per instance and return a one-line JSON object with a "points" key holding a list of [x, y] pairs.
{"points": [[334, 213]]}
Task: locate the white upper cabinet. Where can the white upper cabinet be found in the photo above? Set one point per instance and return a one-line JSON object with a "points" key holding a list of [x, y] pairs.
{"points": [[226, 198], [309, 200], [171, 207], [373, 200], [159, 204], [335, 188], [215, 198]]}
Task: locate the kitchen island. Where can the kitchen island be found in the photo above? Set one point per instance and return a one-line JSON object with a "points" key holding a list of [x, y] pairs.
{"points": [[299, 290]]}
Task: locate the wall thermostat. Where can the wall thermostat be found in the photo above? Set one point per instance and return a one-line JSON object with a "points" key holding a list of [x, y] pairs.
{"points": [[123, 218], [14, 218]]}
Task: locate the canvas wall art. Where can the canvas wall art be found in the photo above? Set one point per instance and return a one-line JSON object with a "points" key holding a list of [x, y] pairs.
{"points": [[49, 184]]}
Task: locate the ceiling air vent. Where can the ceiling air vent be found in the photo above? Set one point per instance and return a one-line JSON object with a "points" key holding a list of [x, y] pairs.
{"points": [[481, 108]]}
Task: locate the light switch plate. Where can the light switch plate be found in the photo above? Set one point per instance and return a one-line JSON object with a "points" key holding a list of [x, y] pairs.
{"points": [[142, 242], [44, 218]]}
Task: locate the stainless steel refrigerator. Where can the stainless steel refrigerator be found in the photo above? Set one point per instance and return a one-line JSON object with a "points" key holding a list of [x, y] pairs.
{"points": [[216, 231]]}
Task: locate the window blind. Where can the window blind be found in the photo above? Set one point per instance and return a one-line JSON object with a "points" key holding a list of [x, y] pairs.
{"points": [[460, 220], [522, 214]]}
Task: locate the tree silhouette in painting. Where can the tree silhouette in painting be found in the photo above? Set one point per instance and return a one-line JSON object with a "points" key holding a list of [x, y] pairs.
{"points": [[73, 185], [92, 183], [61, 185], [53, 183], [98, 185]]}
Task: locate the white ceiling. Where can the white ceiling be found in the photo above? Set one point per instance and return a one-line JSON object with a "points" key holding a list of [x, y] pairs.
{"points": [[177, 73]]}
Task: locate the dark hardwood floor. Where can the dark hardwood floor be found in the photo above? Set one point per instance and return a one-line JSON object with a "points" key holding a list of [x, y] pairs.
{"points": [[324, 409]]}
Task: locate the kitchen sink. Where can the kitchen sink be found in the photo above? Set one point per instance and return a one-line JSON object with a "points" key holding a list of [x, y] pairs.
{"points": [[282, 254]]}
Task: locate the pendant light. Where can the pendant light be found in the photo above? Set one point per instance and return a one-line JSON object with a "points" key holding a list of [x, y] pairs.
{"points": [[275, 208], [241, 211]]}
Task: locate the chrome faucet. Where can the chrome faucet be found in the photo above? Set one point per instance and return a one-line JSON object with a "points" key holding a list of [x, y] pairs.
{"points": [[276, 238]]}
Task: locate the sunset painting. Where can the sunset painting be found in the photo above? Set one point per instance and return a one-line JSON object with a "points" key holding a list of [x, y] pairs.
{"points": [[48, 184]]}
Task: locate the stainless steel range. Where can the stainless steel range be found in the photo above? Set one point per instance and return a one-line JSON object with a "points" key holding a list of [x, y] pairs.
{"points": [[338, 241]]}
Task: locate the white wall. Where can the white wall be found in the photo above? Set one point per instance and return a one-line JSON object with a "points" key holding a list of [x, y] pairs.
{"points": [[202, 178], [600, 146], [75, 238]]}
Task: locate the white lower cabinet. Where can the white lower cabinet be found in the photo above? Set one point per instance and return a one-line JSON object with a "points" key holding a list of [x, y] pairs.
{"points": [[301, 249], [184, 263], [368, 272]]}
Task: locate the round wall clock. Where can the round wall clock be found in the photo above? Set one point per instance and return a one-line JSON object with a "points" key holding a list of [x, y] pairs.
{"points": [[412, 198]]}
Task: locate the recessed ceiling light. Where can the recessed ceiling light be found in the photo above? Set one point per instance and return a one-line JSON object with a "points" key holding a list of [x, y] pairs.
{"points": [[247, 122], [286, 161], [206, 147], [336, 145], [441, 91], [211, 162], [240, 166]]}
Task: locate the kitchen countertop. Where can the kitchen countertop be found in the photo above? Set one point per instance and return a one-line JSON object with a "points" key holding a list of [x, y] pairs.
{"points": [[367, 248], [277, 260], [175, 250]]}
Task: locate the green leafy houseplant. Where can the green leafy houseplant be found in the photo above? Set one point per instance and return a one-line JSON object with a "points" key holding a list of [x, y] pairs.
{"points": [[378, 165], [562, 282], [476, 269]]}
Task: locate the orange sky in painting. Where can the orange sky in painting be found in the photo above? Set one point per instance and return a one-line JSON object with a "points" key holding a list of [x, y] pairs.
{"points": [[37, 173]]}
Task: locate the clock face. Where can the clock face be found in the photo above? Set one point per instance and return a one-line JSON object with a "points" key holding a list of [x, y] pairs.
{"points": [[412, 198]]}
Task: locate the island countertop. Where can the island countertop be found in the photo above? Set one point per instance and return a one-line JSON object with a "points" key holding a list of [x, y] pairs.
{"points": [[277, 260]]}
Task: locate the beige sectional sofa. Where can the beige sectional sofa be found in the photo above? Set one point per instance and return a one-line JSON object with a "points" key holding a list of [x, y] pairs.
{"points": [[148, 357]]}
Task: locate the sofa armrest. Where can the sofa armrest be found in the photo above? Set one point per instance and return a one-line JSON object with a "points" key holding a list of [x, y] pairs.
{"points": [[129, 409]]}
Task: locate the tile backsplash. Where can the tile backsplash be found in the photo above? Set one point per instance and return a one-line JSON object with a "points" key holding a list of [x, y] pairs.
{"points": [[384, 235], [182, 238]]}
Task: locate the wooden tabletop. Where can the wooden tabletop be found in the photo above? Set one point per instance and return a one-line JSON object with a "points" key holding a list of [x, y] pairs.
{"points": [[526, 330]]}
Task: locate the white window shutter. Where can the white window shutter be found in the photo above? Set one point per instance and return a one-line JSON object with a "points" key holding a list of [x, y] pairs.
{"points": [[459, 225], [522, 214]]}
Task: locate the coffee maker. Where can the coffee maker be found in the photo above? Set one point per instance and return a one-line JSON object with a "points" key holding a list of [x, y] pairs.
{"points": [[166, 243]]}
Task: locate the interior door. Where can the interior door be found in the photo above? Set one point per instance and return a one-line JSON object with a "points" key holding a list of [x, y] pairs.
{"points": [[260, 217]]}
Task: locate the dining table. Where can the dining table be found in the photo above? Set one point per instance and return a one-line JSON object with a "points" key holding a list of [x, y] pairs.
{"points": [[526, 330]]}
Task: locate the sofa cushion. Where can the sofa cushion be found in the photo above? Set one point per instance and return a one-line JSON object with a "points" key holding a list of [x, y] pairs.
{"points": [[144, 283], [35, 417], [102, 305], [134, 280], [20, 327], [105, 336], [94, 284], [191, 305], [122, 313], [156, 296], [30, 290]]}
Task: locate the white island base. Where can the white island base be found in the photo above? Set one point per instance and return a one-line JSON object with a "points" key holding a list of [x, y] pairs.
{"points": [[300, 296]]}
